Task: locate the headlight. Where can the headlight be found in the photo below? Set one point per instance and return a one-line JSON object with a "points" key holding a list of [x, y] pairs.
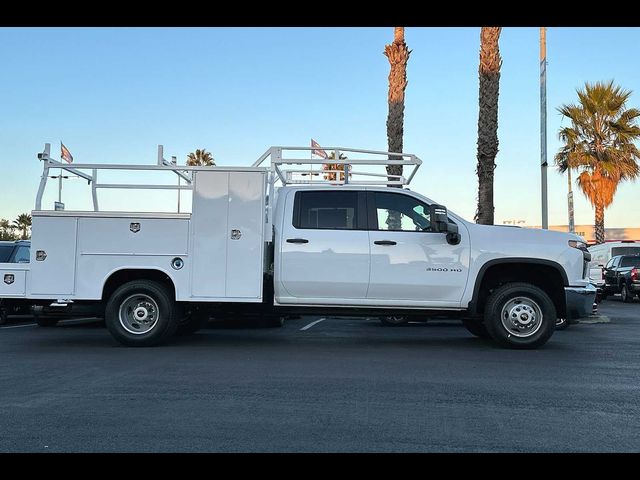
{"points": [[578, 244]]}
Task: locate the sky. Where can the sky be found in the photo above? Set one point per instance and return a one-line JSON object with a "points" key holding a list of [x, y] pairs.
{"points": [[111, 95]]}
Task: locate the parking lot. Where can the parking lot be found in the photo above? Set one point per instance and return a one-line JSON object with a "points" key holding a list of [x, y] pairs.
{"points": [[334, 385]]}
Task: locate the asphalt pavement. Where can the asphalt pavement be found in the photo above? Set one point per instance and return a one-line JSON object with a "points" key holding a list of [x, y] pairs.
{"points": [[337, 385]]}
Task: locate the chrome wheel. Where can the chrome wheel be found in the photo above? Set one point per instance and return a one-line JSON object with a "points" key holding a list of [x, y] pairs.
{"points": [[139, 314], [521, 317]]}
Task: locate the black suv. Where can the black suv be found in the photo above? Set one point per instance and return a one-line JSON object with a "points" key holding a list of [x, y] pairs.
{"points": [[621, 275]]}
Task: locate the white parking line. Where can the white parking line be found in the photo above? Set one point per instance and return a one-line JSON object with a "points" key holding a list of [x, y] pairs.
{"points": [[19, 326], [306, 327]]}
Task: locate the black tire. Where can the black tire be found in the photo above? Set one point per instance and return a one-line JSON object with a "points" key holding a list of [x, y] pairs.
{"points": [[624, 293], [561, 324], [47, 322], [394, 320], [476, 328], [501, 297], [164, 321]]}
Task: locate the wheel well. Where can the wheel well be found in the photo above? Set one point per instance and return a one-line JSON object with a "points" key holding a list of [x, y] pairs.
{"points": [[545, 277], [123, 276]]}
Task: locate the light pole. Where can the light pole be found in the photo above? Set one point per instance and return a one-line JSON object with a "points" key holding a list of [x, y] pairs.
{"points": [[543, 125], [572, 225]]}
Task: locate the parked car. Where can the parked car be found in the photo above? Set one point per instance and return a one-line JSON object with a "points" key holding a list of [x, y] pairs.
{"points": [[14, 251], [621, 276]]}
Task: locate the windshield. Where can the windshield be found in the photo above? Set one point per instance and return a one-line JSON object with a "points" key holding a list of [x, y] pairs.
{"points": [[630, 262], [5, 253]]}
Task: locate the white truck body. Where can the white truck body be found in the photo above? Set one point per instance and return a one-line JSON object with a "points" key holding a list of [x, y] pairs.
{"points": [[243, 229]]}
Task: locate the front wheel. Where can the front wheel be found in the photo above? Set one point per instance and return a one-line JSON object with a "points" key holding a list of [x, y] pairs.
{"points": [[142, 313], [520, 315]]}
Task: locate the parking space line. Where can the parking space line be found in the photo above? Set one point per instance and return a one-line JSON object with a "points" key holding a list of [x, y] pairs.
{"points": [[306, 327], [19, 326]]}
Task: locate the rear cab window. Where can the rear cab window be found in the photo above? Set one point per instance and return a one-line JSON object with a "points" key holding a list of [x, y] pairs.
{"points": [[329, 210], [5, 253], [630, 262]]}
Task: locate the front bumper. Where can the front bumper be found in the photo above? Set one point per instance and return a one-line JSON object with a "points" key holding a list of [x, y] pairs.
{"points": [[580, 301]]}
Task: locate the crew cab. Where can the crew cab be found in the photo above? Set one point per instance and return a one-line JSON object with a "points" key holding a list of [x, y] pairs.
{"points": [[621, 276], [288, 239]]}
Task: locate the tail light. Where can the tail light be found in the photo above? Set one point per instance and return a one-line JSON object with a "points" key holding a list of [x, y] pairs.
{"points": [[634, 274]]}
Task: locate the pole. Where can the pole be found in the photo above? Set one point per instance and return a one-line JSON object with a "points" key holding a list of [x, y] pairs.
{"points": [[60, 187], [572, 226], [174, 160], [543, 125]]}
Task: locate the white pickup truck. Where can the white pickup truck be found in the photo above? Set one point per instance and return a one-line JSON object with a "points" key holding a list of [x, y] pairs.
{"points": [[287, 239]]}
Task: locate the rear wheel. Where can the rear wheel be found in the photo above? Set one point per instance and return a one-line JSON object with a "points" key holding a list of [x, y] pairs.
{"points": [[520, 315], [394, 320], [476, 328], [624, 293], [142, 313]]}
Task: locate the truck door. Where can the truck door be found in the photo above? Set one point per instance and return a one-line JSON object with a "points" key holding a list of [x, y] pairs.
{"points": [[323, 246], [409, 262]]}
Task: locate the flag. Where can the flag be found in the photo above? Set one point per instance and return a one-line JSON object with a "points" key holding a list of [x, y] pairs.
{"points": [[65, 154], [317, 150]]}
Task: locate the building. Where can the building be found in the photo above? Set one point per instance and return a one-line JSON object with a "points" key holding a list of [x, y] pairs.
{"points": [[610, 234]]}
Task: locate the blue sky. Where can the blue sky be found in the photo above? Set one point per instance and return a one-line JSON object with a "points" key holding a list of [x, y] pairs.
{"points": [[113, 94]]}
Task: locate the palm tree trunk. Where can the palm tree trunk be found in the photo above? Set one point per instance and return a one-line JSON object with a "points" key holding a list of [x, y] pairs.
{"points": [[489, 73], [398, 55], [599, 225]]}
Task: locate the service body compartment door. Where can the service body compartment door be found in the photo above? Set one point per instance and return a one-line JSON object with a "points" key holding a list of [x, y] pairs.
{"points": [[245, 234], [13, 280], [228, 235], [53, 256]]}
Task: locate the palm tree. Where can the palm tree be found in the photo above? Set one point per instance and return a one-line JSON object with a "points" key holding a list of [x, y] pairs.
{"points": [[200, 158], [489, 71], [599, 144], [6, 230], [23, 222], [398, 55]]}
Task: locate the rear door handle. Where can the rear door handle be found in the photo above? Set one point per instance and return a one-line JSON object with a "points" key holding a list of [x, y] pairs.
{"points": [[297, 240], [385, 242]]}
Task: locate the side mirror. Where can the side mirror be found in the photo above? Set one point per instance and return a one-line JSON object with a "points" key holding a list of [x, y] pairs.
{"points": [[453, 237], [439, 219], [440, 223]]}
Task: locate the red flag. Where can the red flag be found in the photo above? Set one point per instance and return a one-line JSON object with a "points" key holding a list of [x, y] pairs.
{"points": [[318, 150], [65, 154]]}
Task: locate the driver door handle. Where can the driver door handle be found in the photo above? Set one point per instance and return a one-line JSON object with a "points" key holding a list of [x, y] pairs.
{"points": [[385, 242], [297, 240]]}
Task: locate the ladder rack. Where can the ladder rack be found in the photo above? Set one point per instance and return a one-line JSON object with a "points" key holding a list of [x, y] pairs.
{"points": [[286, 167]]}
